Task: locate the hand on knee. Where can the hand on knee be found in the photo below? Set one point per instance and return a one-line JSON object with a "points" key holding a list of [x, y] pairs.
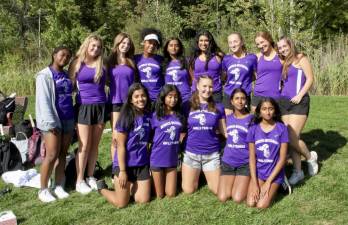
{"points": [[251, 203]]}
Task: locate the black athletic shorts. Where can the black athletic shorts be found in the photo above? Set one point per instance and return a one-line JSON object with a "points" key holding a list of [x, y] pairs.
{"points": [[217, 96], [255, 100], [242, 170], [226, 100], [288, 108], [134, 173], [158, 169], [91, 114], [117, 107]]}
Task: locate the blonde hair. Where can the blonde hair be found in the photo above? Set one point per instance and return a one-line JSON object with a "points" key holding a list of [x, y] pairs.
{"points": [[288, 60], [81, 56]]}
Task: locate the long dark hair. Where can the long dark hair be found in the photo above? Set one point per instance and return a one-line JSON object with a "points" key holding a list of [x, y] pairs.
{"points": [[239, 90], [128, 111], [277, 114], [213, 49], [195, 103], [180, 55], [58, 49], [160, 102]]}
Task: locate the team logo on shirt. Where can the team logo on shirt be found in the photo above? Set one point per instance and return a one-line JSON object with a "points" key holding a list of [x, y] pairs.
{"points": [[265, 149], [234, 134], [148, 71], [236, 73], [174, 74], [201, 118], [171, 132], [141, 133]]}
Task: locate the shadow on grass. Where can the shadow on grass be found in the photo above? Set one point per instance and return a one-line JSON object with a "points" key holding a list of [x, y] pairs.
{"points": [[324, 143]]}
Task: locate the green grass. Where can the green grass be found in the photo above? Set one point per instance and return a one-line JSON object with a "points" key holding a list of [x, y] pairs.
{"points": [[322, 199]]}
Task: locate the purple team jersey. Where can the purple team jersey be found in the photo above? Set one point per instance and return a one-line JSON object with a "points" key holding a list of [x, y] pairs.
{"points": [[214, 71], [121, 77], [293, 83], [150, 73], [137, 141], [165, 147], [269, 74], [239, 72], [64, 102], [267, 147], [202, 126], [90, 92], [236, 152], [178, 77]]}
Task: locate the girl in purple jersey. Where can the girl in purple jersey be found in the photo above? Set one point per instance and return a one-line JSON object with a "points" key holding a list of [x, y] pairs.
{"points": [[149, 64], [55, 118], [235, 174], [168, 126], [294, 103], [205, 121], [88, 75], [176, 71], [269, 70], [239, 67], [121, 70], [206, 59], [131, 162], [268, 143]]}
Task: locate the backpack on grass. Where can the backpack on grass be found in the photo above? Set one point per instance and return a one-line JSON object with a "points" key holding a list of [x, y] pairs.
{"points": [[10, 157]]}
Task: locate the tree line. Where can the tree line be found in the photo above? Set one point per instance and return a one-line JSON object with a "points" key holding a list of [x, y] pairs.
{"points": [[31, 27]]}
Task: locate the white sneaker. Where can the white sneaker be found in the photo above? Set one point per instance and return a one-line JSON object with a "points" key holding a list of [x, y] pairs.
{"points": [[82, 187], [60, 193], [46, 196], [296, 177], [313, 166], [92, 182]]}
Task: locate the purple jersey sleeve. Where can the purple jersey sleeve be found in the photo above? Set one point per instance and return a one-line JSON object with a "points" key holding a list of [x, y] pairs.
{"points": [[284, 137], [221, 111], [251, 134]]}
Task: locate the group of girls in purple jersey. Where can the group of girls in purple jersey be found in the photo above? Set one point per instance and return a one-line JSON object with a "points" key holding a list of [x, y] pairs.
{"points": [[162, 104]]}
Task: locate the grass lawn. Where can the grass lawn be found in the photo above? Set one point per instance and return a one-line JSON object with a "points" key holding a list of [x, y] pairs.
{"points": [[322, 199]]}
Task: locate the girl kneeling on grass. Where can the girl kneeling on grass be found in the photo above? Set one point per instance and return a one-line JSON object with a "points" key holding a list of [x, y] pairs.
{"points": [[268, 143], [168, 132], [205, 121], [55, 117], [130, 164], [235, 174]]}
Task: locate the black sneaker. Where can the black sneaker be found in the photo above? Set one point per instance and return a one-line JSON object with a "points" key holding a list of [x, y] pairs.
{"points": [[101, 185], [285, 188]]}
